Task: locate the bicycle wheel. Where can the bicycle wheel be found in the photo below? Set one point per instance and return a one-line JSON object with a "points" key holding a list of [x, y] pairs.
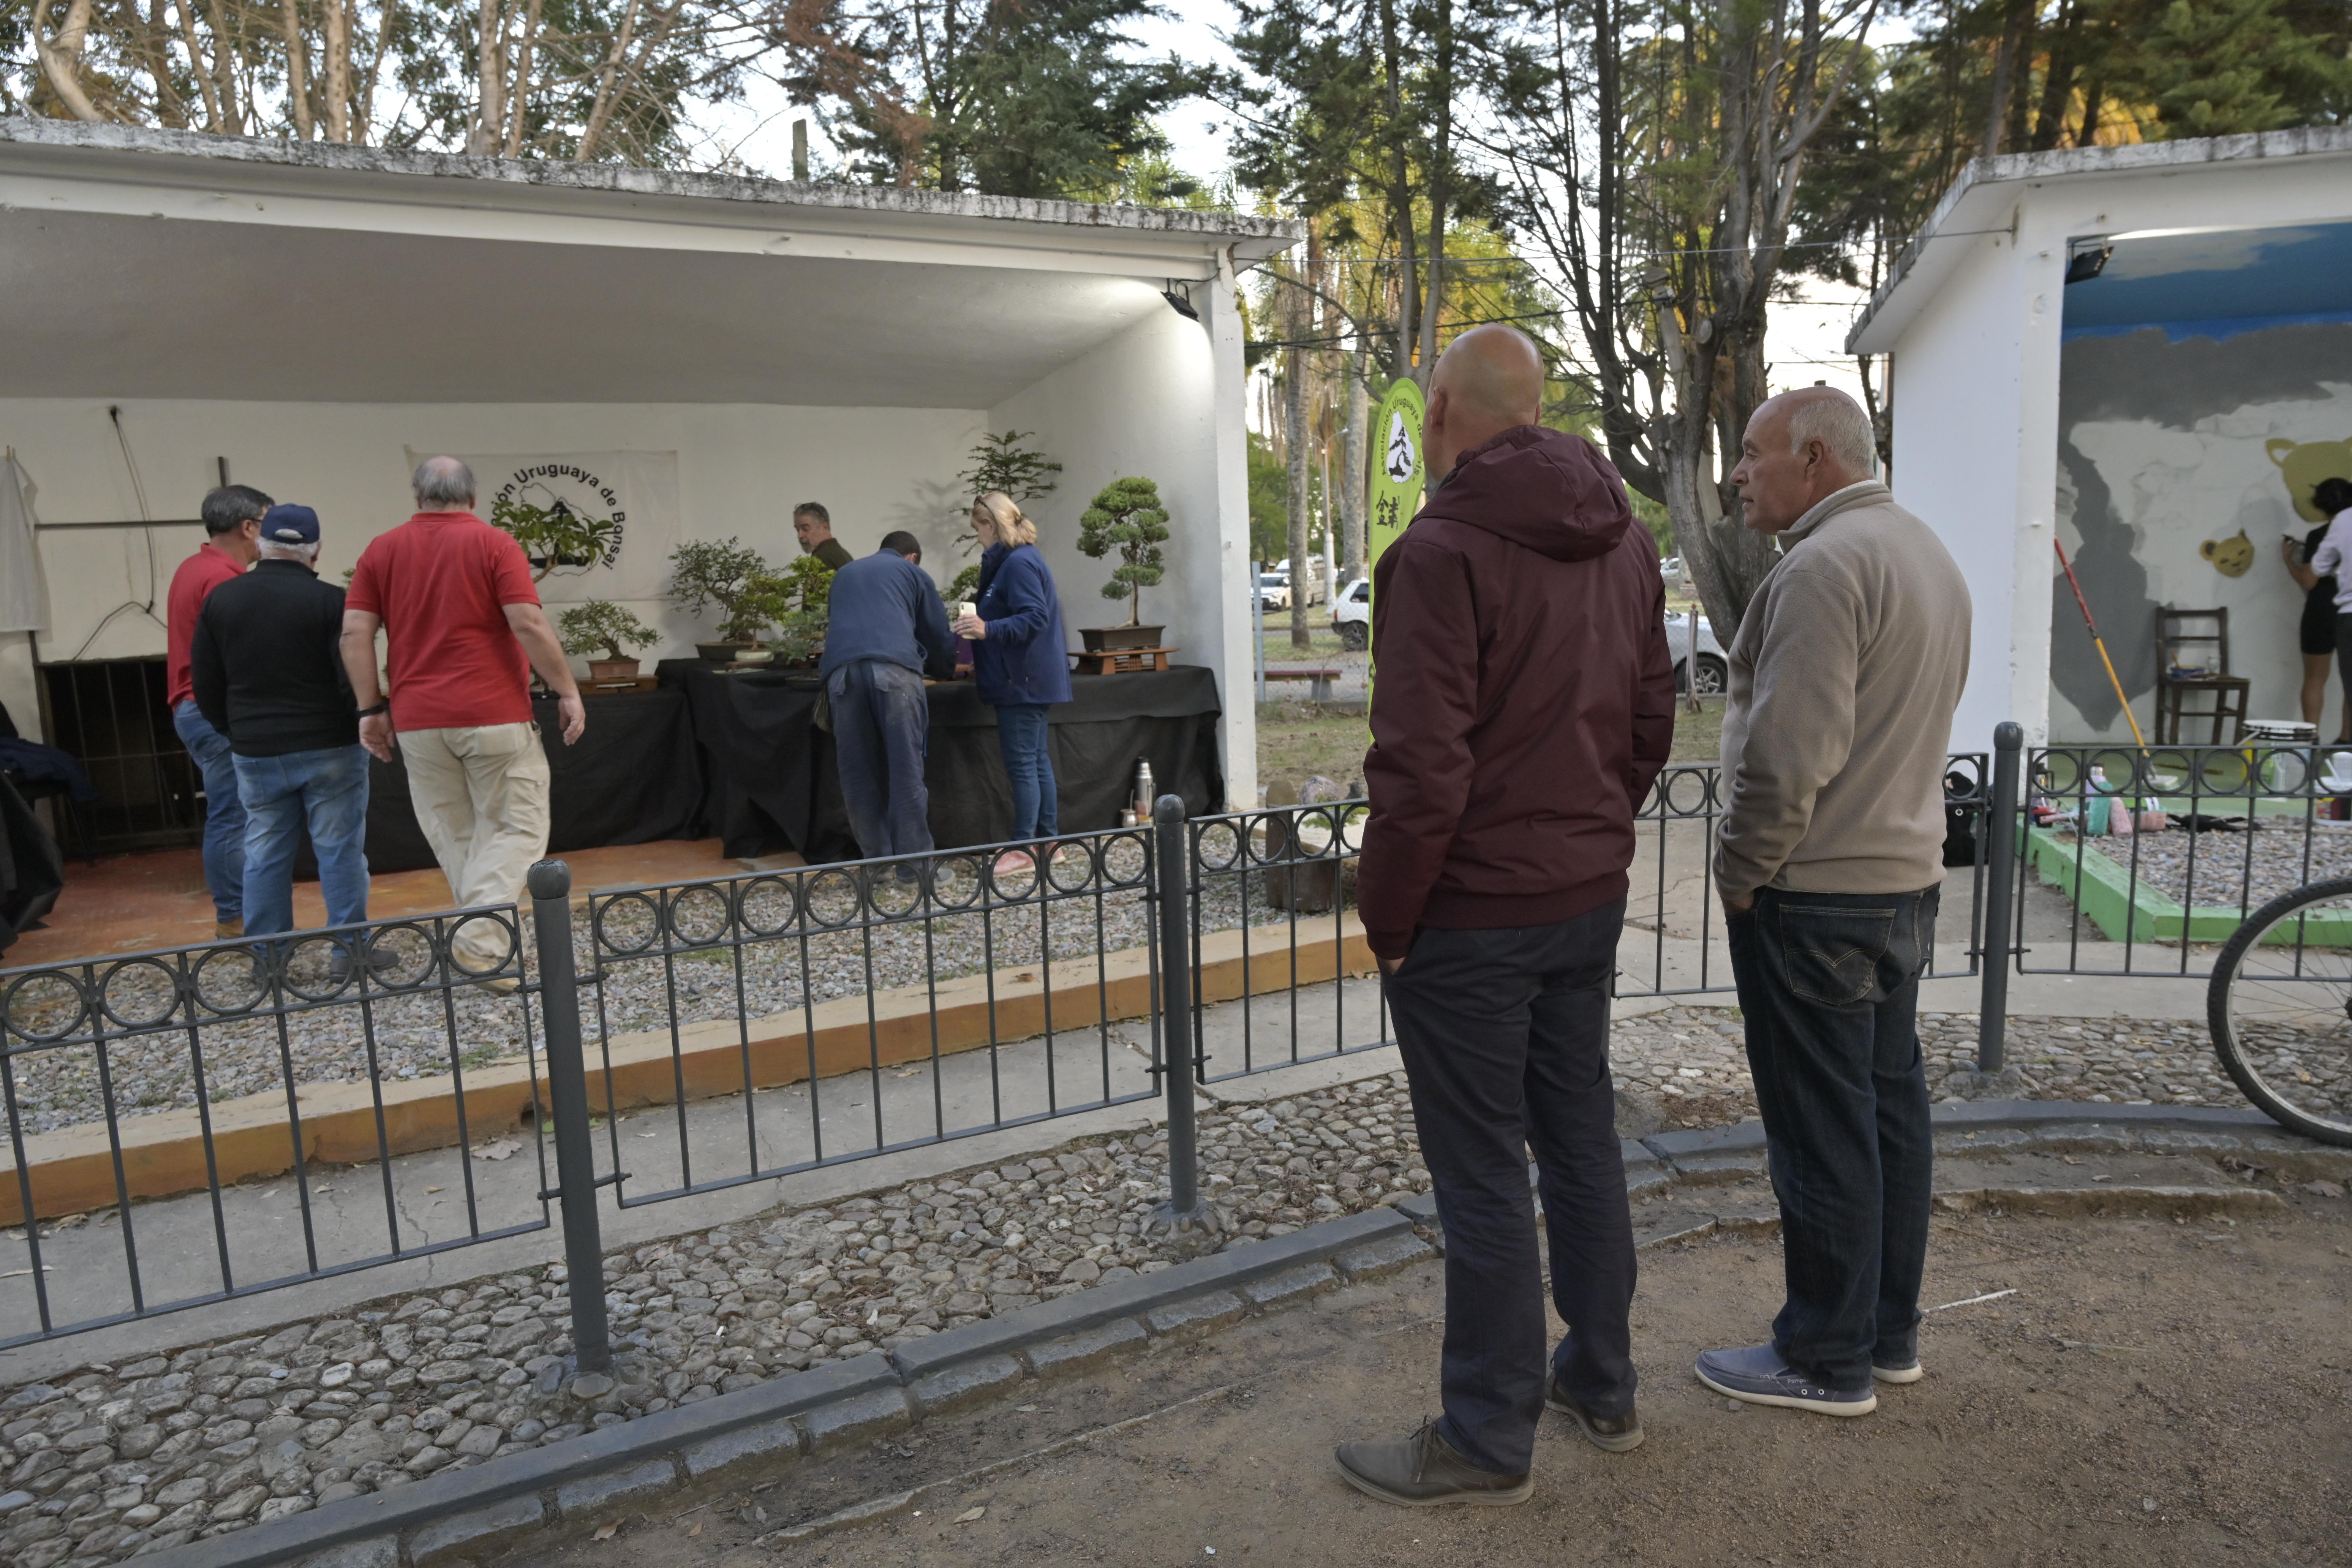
{"points": [[2281, 1009]]}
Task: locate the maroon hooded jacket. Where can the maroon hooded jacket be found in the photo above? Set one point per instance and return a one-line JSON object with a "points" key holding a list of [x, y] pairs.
{"points": [[1523, 699]]}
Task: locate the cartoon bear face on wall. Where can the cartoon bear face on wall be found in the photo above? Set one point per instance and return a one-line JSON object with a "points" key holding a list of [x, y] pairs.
{"points": [[2303, 464]]}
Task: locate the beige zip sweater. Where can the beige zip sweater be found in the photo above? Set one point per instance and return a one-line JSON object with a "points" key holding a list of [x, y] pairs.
{"points": [[1844, 678]]}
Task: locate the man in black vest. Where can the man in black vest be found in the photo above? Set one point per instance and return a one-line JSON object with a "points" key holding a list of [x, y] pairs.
{"points": [[269, 677]]}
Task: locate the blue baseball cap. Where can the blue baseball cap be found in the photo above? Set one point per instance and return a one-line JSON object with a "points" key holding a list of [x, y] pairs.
{"points": [[291, 525]]}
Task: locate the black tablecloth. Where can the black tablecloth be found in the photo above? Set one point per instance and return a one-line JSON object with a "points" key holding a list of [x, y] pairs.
{"points": [[30, 870], [772, 785], [633, 777]]}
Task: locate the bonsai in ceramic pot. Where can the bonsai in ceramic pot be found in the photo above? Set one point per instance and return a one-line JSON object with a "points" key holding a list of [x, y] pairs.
{"points": [[731, 576], [1126, 519], [602, 623]]}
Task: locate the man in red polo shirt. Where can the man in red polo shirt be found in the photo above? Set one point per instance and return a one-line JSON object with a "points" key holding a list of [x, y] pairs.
{"points": [[454, 599], [232, 543]]}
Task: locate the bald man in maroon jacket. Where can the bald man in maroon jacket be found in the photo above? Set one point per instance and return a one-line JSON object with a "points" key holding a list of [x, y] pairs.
{"points": [[1523, 707]]}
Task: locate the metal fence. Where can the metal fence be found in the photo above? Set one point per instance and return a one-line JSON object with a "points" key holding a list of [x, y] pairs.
{"points": [[174, 1073], [671, 1040]]}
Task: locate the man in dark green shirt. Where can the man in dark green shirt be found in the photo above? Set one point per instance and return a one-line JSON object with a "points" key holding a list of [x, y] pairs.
{"points": [[814, 525]]}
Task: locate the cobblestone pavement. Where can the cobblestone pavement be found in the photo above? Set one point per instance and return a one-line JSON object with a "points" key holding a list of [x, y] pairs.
{"points": [[119, 1459]]}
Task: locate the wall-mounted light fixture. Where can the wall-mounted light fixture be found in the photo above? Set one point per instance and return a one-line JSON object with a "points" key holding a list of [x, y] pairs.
{"points": [[1179, 295], [2086, 259]]}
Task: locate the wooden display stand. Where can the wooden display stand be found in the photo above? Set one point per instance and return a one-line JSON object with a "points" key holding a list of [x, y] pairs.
{"points": [[633, 683], [1117, 662]]}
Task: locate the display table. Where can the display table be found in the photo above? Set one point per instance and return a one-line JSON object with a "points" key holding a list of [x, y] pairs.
{"points": [[632, 778], [770, 783]]}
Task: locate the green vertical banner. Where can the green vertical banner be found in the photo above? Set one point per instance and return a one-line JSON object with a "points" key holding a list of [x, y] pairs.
{"points": [[1395, 493], [1396, 482]]}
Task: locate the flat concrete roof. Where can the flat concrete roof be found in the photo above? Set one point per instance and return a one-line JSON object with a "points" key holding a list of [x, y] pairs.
{"points": [[142, 263], [1977, 200]]}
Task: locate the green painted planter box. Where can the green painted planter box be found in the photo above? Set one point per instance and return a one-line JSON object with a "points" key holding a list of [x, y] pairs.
{"points": [[2125, 913]]}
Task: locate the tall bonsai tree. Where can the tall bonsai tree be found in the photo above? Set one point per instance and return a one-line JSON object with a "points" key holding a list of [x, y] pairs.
{"points": [[602, 623], [1126, 517]]}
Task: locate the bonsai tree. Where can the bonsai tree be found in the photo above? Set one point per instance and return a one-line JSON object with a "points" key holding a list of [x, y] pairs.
{"points": [[965, 585], [725, 573], [999, 463], [1128, 518], [1002, 463], [555, 536], [602, 623], [792, 601]]}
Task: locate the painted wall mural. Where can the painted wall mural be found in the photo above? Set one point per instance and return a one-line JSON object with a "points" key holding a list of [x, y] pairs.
{"points": [[2187, 451]]}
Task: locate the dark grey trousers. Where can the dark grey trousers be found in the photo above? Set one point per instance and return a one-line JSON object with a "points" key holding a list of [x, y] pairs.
{"points": [[1504, 1036]]}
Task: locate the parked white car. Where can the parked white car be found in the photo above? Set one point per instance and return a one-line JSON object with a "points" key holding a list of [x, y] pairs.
{"points": [[1714, 669], [1352, 616], [1273, 591], [1315, 585]]}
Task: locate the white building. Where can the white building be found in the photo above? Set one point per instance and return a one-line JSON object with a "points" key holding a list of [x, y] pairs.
{"points": [[2190, 385], [311, 319]]}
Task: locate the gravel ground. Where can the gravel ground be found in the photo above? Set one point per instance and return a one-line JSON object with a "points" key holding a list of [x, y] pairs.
{"points": [[116, 1460], [419, 1035], [2278, 849]]}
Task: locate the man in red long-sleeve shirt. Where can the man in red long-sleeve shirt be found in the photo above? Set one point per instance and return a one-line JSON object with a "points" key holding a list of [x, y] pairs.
{"points": [[1523, 706], [232, 517]]}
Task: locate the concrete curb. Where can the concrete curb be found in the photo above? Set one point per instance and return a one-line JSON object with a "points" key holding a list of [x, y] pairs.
{"points": [[475, 1513]]}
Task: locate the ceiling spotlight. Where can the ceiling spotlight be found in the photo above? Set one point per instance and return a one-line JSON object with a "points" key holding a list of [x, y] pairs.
{"points": [[1179, 295], [2086, 259]]}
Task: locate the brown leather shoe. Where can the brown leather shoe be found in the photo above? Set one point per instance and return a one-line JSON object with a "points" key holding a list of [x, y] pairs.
{"points": [[1424, 1471], [225, 930], [1617, 1434]]}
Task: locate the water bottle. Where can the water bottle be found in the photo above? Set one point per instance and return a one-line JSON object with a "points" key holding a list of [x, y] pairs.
{"points": [[1146, 790]]}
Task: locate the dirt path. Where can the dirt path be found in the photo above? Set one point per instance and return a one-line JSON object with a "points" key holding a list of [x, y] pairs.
{"points": [[2154, 1394]]}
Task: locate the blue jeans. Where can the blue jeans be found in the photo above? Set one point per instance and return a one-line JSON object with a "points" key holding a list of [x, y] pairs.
{"points": [[1830, 986], [328, 789], [881, 729], [1504, 1036], [1021, 735], [224, 812]]}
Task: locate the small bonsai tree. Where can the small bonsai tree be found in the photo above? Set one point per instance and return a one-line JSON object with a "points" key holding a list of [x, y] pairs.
{"points": [[722, 572], [965, 585], [1126, 517], [794, 603], [602, 623], [555, 536]]}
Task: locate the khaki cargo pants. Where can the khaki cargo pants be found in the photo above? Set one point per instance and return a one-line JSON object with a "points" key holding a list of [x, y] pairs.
{"points": [[480, 795]]}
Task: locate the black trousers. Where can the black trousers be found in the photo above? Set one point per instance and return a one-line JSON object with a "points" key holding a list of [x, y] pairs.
{"points": [[1829, 986], [1504, 1036]]}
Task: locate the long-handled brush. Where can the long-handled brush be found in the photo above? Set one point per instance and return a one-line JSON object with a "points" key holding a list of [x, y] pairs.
{"points": [[2100, 643]]}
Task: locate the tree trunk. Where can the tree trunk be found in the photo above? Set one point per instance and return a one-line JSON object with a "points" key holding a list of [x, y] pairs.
{"points": [[490, 110], [298, 72], [1351, 523], [339, 70], [61, 57], [1440, 178], [1296, 441]]}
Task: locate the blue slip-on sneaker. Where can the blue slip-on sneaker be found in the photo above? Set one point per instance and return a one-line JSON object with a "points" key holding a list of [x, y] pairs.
{"points": [[1758, 1374], [1908, 1373]]}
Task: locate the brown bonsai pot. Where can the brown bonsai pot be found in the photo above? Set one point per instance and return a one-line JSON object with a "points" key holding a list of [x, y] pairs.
{"points": [[721, 652], [1110, 639], [603, 670]]}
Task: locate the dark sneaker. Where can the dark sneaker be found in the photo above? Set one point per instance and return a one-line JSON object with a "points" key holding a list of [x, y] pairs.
{"points": [[1757, 1375], [1617, 1434], [1908, 1373], [381, 961], [1422, 1471]]}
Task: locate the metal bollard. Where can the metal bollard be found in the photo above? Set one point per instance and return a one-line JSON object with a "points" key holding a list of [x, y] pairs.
{"points": [[567, 1091], [1172, 863], [2000, 899]]}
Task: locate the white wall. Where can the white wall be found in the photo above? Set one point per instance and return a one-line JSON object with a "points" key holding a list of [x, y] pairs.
{"points": [[741, 469], [1147, 404], [1958, 411]]}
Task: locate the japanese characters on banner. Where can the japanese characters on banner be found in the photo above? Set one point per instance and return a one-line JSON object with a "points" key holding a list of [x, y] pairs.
{"points": [[1396, 478], [635, 492]]}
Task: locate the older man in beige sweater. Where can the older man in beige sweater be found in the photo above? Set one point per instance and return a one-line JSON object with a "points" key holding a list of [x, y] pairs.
{"points": [[1829, 861]]}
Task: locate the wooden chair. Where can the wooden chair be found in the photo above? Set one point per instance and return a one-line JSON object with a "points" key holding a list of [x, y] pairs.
{"points": [[2199, 640]]}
